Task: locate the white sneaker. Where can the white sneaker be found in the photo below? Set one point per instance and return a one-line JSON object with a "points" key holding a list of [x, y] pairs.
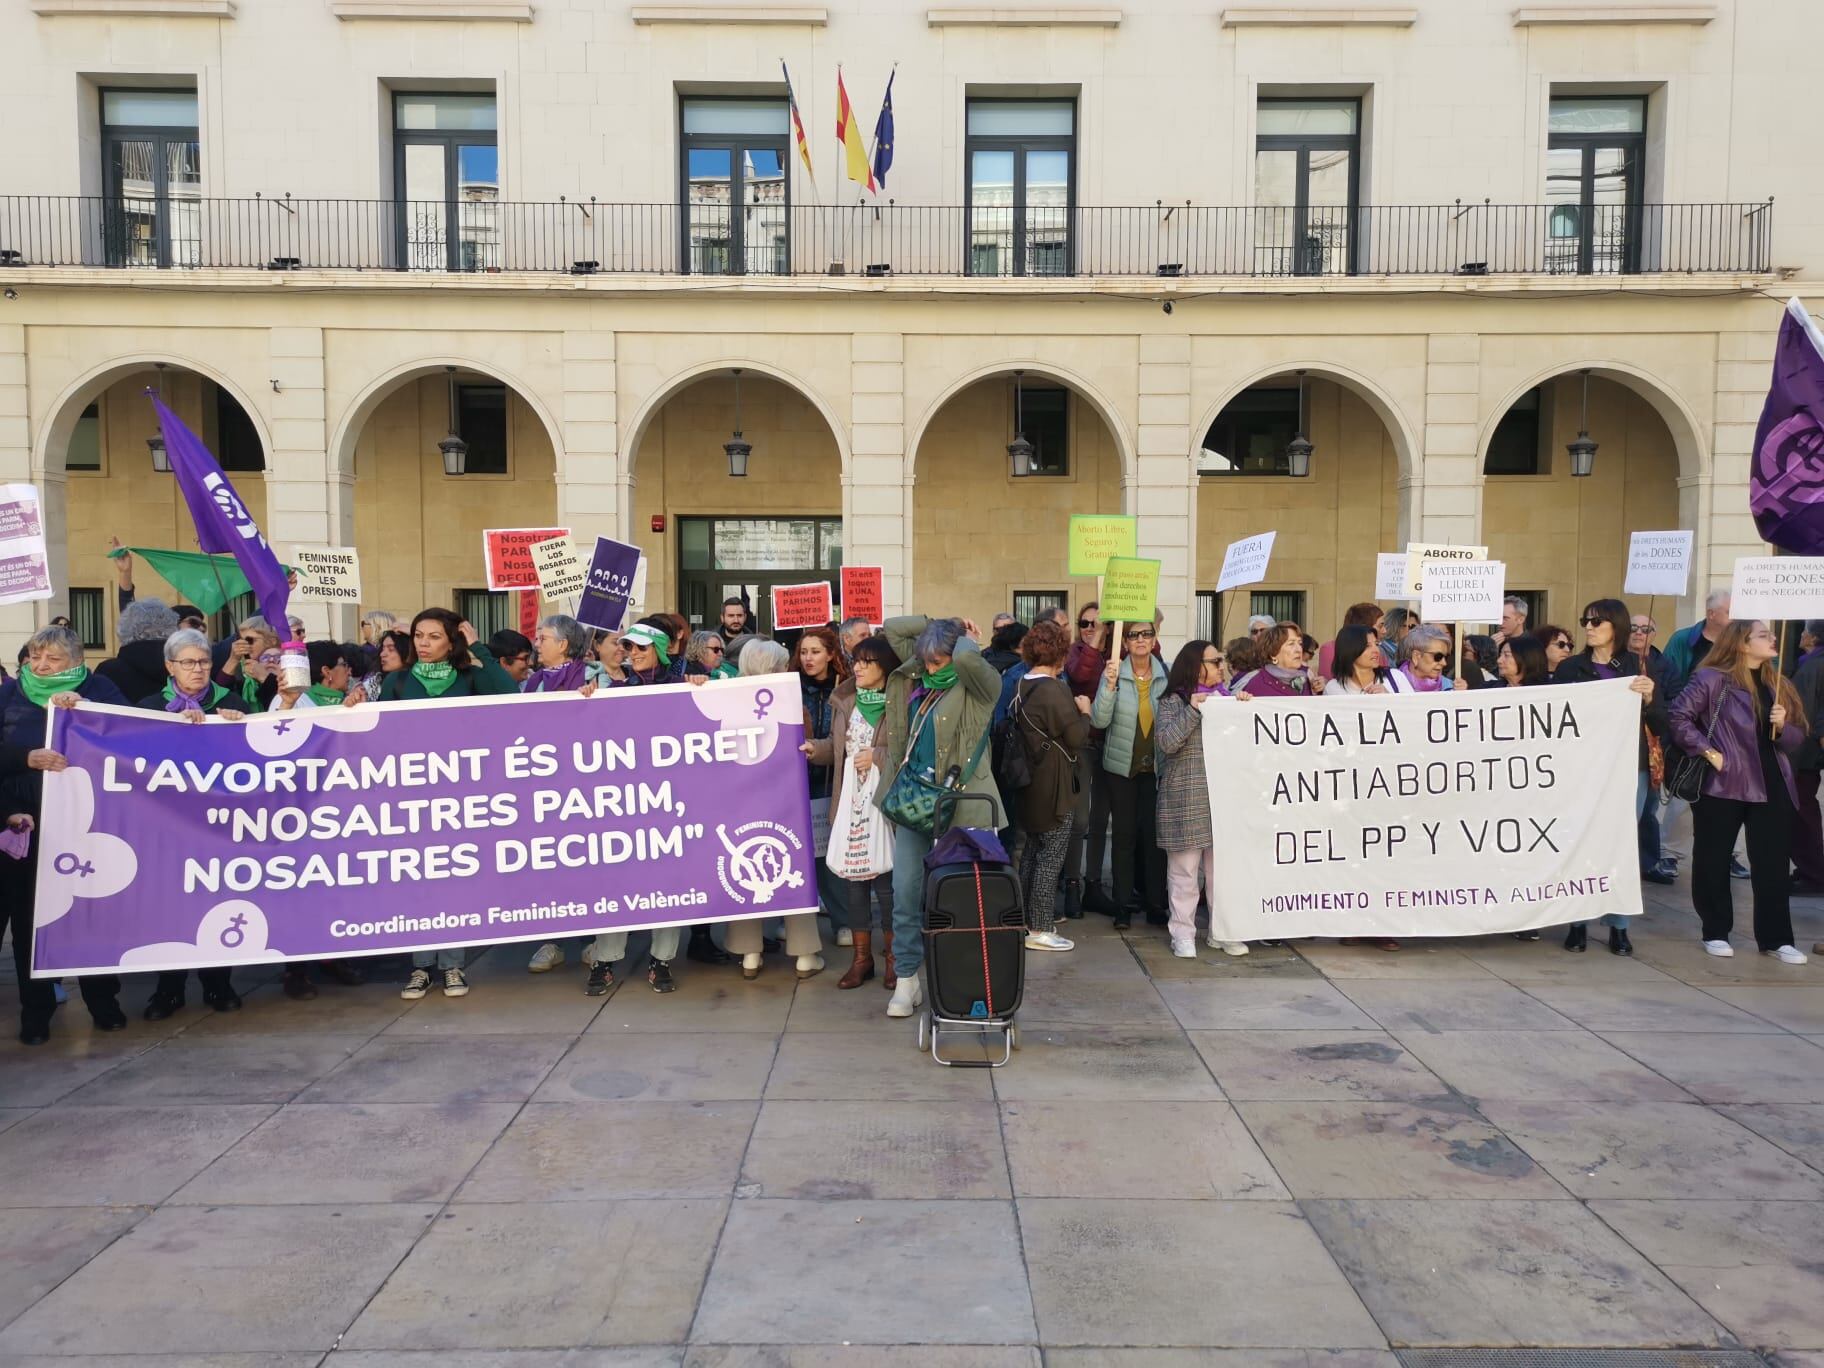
{"points": [[809, 966], [1227, 947], [1048, 940], [417, 985], [1184, 949], [1788, 954], [907, 995], [844, 936], [454, 984], [750, 964], [545, 959], [1721, 949]]}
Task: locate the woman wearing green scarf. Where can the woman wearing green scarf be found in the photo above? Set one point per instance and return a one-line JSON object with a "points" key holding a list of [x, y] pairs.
{"points": [[861, 841], [53, 676], [450, 663]]}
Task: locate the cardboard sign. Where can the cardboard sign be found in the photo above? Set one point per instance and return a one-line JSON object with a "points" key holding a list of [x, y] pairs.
{"points": [[1777, 588], [330, 574], [1659, 563], [1244, 563], [1130, 589], [609, 586], [509, 554], [25, 567], [1094, 537], [1390, 575], [561, 569], [1418, 554], [801, 605], [864, 594], [1463, 591]]}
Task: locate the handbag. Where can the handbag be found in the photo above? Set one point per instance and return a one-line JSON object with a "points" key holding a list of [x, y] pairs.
{"points": [[912, 800], [1686, 782], [861, 847]]}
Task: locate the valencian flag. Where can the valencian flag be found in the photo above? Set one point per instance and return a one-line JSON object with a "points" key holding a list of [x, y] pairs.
{"points": [[883, 135], [222, 520], [850, 137], [791, 102], [1786, 483]]}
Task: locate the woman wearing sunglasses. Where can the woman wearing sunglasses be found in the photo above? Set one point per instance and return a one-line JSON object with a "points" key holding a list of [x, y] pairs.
{"points": [[1605, 656], [1126, 708]]}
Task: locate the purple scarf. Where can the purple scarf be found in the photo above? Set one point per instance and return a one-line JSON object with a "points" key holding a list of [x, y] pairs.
{"points": [[1422, 685], [570, 675]]}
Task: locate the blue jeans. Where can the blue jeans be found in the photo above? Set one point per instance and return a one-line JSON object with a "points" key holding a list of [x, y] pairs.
{"points": [[438, 959], [909, 851]]}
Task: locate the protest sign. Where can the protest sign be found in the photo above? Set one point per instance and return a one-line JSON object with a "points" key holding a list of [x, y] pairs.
{"points": [[1245, 562], [1419, 554], [1463, 591], [1130, 589], [1390, 575], [25, 567], [1659, 563], [1777, 588], [1454, 814], [609, 586], [864, 594], [330, 574], [561, 569], [376, 830], [509, 554], [1094, 537], [801, 605]]}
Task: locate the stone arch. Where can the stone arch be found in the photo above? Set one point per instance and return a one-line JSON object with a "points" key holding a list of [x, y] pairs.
{"points": [[1043, 370], [1680, 421], [663, 394], [348, 429], [1406, 443], [64, 411]]}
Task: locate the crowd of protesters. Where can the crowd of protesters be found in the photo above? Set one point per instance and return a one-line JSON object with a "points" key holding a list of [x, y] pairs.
{"points": [[1082, 735]]}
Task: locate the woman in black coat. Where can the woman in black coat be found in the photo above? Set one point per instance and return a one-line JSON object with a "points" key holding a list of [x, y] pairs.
{"points": [[54, 675]]}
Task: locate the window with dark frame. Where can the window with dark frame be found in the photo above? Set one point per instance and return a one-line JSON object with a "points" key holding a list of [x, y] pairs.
{"points": [[1282, 605], [1045, 414], [446, 181], [1207, 622], [1250, 435], [87, 619], [1307, 185], [84, 450], [734, 188], [1535, 606], [481, 418], [487, 611], [237, 441], [1518, 444], [1020, 159], [1594, 174], [1029, 603], [223, 621], [152, 178]]}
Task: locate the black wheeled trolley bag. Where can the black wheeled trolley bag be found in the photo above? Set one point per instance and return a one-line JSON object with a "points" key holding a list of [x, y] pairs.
{"points": [[975, 941]]}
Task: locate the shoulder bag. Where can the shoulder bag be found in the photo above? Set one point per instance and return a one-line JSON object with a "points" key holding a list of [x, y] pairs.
{"points": [[1686, 781], [912, 800]]}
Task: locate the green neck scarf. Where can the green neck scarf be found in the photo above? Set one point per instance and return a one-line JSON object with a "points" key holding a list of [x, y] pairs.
{"points": [[435, 676], [941, 679], [871, 703], [250, 691], [216, 694], [41, 689], [324, 696]]}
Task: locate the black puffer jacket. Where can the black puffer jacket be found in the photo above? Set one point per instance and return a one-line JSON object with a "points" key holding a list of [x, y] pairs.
{"points": [[138, 670]]}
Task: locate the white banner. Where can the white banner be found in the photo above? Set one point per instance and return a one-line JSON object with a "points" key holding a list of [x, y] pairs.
{"points": [[1777, 588], [1452, 814], [1463, 591], [1658, 563], [1421, 554], [1390, 576], [25, 566], [1246, 561], [330, 574]]}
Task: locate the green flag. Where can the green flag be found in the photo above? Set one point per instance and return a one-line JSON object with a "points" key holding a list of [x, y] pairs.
{"points": [[192, 575]]}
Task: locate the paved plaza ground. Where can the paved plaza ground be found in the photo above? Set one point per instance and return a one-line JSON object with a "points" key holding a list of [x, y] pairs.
{"points": [[1322, 1155]]}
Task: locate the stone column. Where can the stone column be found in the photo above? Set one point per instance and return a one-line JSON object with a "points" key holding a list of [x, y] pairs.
{"points": [[594, 495], [304, 499], [877, 487], [1162, 489], [1445, 491], [19, 620]]}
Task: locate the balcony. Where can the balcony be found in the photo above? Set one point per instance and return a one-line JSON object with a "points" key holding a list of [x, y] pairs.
{"points": [[775, 240]]}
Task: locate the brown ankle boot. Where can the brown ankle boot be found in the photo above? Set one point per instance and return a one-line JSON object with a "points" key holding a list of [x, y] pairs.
{"points": [[863, 968], [888, 979]]}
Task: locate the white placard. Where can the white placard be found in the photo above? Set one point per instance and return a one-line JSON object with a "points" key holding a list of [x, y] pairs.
{"points": [[25, 566], [562, 569], [1390, 575], [1463, 591], [1246, 561], [328, 574], [1452, 814], [1777, 588], [1419, 554], [1659, 563]]}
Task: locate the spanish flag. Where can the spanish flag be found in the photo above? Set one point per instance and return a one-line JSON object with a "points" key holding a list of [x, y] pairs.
{"points": [[791, 100], [850, 137]]}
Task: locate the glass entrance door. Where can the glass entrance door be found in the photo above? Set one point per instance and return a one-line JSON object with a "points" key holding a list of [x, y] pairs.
{"points": [[746, 558]]}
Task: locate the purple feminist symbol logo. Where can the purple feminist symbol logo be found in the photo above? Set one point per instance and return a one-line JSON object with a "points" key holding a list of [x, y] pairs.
{"points": [[762, 701], [1791, 466], [283, 727], [232, 935], [71, 863]]}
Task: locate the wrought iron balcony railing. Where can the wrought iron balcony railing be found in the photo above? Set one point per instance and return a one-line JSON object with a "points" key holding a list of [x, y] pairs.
{"points": [[772, 238]]}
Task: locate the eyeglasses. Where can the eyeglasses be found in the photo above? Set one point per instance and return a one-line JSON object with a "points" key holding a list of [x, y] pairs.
{"points": [[1640, 631], [1562, 643], [715, 647], [1439, 656], [1214, 660], [251, 641], [1141, 635], [202, 664], [1591, 621], [1085, 624]]}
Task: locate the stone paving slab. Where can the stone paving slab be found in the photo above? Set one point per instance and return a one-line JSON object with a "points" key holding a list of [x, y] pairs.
{"points": [[1061, 1063], [1452, 1005], [264, 1069], [1645, 1007], [560, 1151], [40, 1247], [882, 1066], [1315, 1066], [646, 1356], [1221, 1358], [1795, 1009], [867, 1150], [1135, 1150], [1558, 1066], [116, 1156], [861, 1356], [1415, 959], [1796, 1127], [687, 1067], [1730, 1068], [1312, 1005], [475, 1068]]}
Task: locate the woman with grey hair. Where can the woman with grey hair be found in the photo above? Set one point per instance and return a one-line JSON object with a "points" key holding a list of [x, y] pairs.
{"points": [[731, 655], [252, 667], [561, 650], [744, 938], [139, 667], [1423, 655], [940, 705], [53, 675], [703, 653]]}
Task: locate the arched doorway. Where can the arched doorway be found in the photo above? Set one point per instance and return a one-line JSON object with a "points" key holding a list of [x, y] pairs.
{"points": [[986, 539], [710, 535], [100, 469], [1330, 523], [1563, 537]]}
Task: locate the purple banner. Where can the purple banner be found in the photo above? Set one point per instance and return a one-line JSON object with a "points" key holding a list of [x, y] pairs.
{"points": [[609, 587], [404, 826]]}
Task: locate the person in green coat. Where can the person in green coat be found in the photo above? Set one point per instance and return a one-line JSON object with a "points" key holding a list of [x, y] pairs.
{"points": [[940, 705]]}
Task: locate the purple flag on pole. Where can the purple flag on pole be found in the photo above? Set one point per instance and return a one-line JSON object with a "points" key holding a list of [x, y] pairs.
{"points": [[222, 520], [1786, 484]]}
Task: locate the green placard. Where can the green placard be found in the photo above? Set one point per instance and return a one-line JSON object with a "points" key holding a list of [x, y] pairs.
{"points": [[1094, 537], [1130, 589]]}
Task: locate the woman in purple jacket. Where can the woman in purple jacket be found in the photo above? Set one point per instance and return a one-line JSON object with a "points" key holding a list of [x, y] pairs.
{"points": [[1745, 719]]}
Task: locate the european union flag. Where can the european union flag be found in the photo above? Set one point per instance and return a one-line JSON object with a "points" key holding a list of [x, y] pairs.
{"points": [[883, 136]]}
